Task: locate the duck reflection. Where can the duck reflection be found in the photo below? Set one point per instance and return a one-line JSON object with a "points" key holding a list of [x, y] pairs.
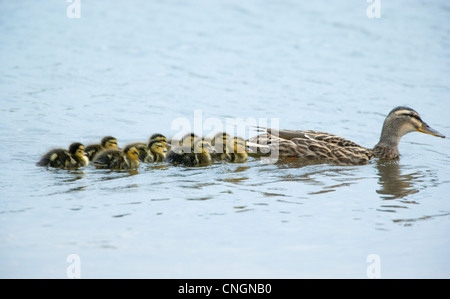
{"points": [[394, 184]]}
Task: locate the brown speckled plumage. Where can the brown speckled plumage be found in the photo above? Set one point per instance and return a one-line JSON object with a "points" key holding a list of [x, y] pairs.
{"points": [[316, 145]]}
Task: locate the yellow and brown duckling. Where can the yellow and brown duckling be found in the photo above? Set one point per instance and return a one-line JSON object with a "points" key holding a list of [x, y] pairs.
{"points": [[222, 146], [239, 154], [158, 150], [154, 150], [159, 137], [197, 154], [127, 158], [187, 140], [107, 143], [73, 158], [317, 145]]}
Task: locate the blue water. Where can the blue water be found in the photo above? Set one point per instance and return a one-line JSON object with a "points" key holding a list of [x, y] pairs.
{"points": [[131, 69]]}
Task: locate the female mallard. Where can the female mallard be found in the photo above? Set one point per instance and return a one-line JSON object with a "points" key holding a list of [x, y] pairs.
{"points": [[107, 143], [324, 146], [128, 158], [60, 158], [197, 154]]}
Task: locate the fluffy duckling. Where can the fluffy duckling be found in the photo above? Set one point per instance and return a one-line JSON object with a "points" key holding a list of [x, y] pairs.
{"points": [[154, 150], [144, 153], [222, 145], [186, 141], [160, 137], [196, 155], [107, 143], [60, 158], [128, 158], [239, 154], [202, 150], [157, 147]]}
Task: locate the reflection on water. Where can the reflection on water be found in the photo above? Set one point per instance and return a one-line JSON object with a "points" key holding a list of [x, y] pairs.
{"points": [[394, 184]]}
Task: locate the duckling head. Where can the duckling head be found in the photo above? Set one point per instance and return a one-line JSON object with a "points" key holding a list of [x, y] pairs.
{"points": [[159, 137], [221, 142], [239, 145], [77, 150], [189, 140], [158, 147], [202, 147], [109, 143], [132, 153]]}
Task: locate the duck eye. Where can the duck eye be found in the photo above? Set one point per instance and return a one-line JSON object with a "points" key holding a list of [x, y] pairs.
{"points": [[414, 116]]}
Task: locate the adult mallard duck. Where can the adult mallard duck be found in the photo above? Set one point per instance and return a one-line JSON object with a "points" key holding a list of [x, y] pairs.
{"points": [[324, 146], [127, 158], [75, 157], [107, 143]]}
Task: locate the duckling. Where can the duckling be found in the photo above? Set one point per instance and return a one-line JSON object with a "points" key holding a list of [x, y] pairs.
{"points": [[154, 150], [187, 140], [196, 155], [145, 154], [239, 154], [107, 143], [222, 145], [128, 158], [202, 150], [160, 137], [157, 147], [328, 147], [75, 157], [180, 155]]}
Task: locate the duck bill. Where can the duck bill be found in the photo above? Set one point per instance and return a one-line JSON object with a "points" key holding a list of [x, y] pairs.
{"points": [[427, 130]]}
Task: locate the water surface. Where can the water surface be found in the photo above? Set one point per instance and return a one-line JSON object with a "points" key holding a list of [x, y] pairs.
{"points": [[131, 69]]}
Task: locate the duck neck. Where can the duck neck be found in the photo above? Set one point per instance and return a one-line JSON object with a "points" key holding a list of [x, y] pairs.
{"points": [[387, 147], [159, 157], [84, 161], [132, 163], [204, 157]]}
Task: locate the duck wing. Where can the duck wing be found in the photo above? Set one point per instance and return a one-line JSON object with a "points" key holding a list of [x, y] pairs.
{"points": [[311, 145], [314, 135]]}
